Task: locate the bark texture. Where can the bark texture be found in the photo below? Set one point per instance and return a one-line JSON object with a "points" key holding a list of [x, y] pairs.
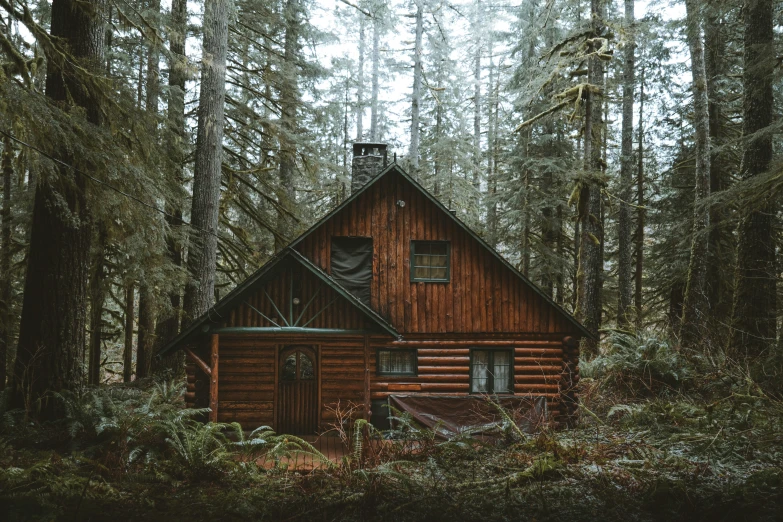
{"points": [[289, 101], [695, 305], [202, 256], [127, 354], [589, 269], [755, 306], [624, 225], [54, 311], [360, 79], [416, 94], [168, 326], [721, 240], [97, 297], [640, 210], [376, 66], [146, 338], [5, 261], [477, 102]]}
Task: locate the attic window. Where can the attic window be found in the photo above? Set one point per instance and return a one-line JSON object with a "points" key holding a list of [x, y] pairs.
{"points": [[430, 261]]}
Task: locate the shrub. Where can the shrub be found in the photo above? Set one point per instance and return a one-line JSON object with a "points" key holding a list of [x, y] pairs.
{"points": [[639, 362]]}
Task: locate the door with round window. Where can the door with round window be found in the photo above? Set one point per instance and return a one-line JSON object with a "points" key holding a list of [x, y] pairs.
{"points": [[297, 396]]}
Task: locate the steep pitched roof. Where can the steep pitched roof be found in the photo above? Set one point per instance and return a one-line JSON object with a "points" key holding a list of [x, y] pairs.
{"points": [[395, 168], [261, 276]]}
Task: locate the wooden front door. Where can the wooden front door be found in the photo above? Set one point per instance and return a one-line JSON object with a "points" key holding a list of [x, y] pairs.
{"points": [[297, 397]]}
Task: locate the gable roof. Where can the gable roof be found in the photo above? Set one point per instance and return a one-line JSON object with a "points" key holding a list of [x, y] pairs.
{"points": [[216, 313], [261, 276], [395, 168]]}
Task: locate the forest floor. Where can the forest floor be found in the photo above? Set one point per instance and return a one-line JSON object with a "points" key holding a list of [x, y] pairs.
{"points": [[661, 437]]}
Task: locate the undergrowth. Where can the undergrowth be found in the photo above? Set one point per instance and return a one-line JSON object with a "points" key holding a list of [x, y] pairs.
{"points": [[663, 435]]}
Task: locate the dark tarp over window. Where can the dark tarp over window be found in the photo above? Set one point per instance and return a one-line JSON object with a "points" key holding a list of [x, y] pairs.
{"points": [[451, 415], [352, 265]]}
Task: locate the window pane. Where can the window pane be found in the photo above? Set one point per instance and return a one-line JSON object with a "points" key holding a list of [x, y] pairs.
{"points": [[438, 273], [438, 248], [480, 371], [305, 367], [397, 361], [438, 260], [430, 260], [289, 368], [502, 372]]}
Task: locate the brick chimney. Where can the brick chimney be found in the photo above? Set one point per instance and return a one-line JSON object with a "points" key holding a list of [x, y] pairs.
{"points": [[369, 159]]}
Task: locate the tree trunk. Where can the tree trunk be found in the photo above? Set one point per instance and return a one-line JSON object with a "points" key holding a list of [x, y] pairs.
{"points": [[695, 306], [97, 297], [526, 219], [416, 95], [588, 309], [559, 280], [146, 339], [438, 134], [376, 59], [202, 256], [721, 248], [625, 253], [168, 327], [127, 354], [153, 70], [492, 138], [755, 305], [640, 210], [147, 299], [289, 100], [477, 105], [360, 79], [5, 261], [54, 310]]}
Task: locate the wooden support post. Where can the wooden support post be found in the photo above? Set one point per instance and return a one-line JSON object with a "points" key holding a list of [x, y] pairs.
{"points": [[196, 359], [213, 383], [276, 391], [366, 378], [319, 356]]}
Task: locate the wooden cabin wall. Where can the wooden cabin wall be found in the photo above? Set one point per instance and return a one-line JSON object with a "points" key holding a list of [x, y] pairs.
{"points": [[246, 389], [248, 367], [342, 378], [444, 368], [247, 381], [483, 294], [339, 312]]}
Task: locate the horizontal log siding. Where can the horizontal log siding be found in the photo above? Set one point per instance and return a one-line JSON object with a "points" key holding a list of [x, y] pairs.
{"points": [[247, 376], [444, 368], [247, 372], [482, 296], [190, 385], [247, 381], [342, 378], [339, 314]]}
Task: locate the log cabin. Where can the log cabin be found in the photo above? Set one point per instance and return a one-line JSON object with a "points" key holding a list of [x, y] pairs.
{"points": [[390, 295]]}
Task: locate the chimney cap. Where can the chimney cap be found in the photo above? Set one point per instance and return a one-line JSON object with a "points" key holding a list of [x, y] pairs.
{"points": [[366, 148]]}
